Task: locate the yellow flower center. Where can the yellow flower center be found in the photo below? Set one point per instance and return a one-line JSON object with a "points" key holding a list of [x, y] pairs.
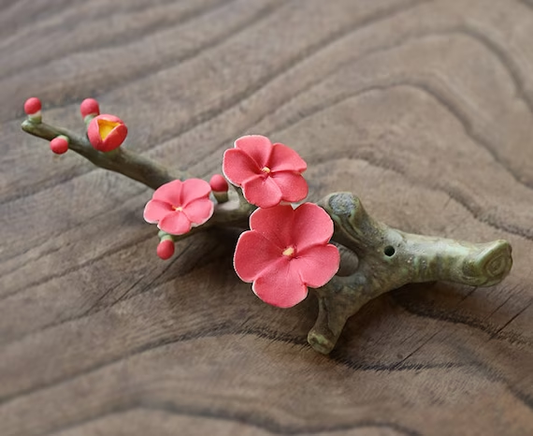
{"points": [[289, 251], [265, 170], [177, 209], [105, 127]]}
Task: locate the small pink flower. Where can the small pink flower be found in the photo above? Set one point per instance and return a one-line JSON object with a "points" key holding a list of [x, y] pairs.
{"points": [[286, 251], [268, 174], [106, 132], [177, 206]]}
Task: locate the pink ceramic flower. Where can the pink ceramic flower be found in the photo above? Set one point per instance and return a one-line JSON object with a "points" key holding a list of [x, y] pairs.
{"points": [[177, 206], [268, 174], [106, 132], [286, 251]]}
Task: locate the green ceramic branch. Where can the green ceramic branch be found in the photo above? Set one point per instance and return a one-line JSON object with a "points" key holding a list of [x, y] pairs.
{"points": [[121, 160], [389, 258], [141, 169]]}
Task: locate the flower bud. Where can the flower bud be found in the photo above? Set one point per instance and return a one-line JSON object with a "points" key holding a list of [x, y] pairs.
{"points": [[59, 145], [32, 107], [165, 249], [106, 132], [219, 186], [89, 107], [218, 183]]}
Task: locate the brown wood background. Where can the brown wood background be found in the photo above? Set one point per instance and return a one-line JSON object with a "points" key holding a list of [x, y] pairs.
{"points": [[422, 108]]}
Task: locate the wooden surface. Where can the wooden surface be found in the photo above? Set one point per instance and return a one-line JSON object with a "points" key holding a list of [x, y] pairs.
{"points": [[422, 108]]}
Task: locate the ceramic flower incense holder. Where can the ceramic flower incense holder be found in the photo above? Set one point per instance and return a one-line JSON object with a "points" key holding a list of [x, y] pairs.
{"points": [[290, 246]]}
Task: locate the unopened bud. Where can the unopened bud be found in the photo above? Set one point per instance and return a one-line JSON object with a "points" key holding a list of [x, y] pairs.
{"points": [[32, 107], [59, 145]]}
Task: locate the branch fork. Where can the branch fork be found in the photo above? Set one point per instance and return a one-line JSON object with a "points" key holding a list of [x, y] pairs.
{"points": [[388, 259]]}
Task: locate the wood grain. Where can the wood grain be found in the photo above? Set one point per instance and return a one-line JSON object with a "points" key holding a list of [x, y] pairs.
{"points": [[422, 108]]}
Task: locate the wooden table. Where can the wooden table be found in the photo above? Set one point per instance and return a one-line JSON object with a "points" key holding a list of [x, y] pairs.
{"points": [[422, 108]]}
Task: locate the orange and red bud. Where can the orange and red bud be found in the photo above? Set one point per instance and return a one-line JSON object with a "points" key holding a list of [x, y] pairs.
{"points": [[106, 132]]}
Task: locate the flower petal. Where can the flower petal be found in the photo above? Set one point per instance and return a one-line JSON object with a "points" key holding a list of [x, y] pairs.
{"points": [[238, 167], [284, 158], [169, 192], [253, 254], [280, 286], [156, 210], [311, 226], [293, 186], [93, 133], [199, 211], [194, 189], [175, 223], [257, 147], [275, 224], [317, 265], [262, 191], [114, 138]]}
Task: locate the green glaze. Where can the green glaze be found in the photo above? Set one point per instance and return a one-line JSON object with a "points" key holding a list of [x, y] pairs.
{"points": [[389, 258]]}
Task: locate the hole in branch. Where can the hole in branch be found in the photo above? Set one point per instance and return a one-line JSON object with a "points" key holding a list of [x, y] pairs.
{"points": [[389, 251]]}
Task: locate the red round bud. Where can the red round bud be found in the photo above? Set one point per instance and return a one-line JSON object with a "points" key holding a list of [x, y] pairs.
{"points": [[218, 183], [106, 132], [32, 106], [165, 249], [89, 106], [59, 145]]}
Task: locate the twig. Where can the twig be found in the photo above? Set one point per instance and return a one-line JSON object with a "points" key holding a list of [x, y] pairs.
{"points": [[121, 160]]}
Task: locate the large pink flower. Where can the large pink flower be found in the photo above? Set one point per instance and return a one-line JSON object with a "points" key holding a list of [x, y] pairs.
{"points": [[268, 174], [177, 206], [286, 251]]}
